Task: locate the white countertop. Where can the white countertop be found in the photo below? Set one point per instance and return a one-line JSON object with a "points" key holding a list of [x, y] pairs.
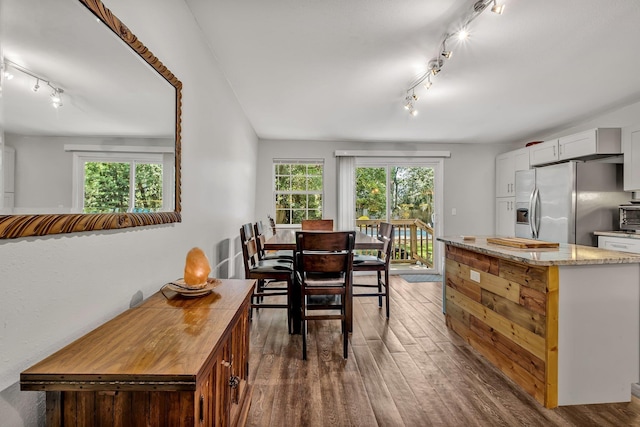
{"points": [[566, 254]]}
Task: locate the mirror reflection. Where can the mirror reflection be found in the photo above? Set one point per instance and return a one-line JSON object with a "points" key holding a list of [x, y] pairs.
{"points": [[88, 126]]}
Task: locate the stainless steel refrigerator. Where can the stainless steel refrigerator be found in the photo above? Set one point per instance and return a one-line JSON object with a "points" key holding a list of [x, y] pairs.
{"points": [[567, 202]]}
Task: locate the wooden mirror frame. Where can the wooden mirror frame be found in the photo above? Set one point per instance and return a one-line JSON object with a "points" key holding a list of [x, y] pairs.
{"points": [[15, 226]]}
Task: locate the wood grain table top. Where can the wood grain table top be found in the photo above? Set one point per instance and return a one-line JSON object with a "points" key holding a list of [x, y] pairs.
{"points": [[285, 239], [163, 342]]}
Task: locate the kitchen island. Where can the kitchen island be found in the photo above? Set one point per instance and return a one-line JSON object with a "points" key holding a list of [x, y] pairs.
{"points": [[563, 323]]}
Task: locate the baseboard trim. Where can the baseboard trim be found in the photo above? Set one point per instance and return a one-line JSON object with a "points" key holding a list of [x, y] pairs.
{"points": [[635, 390]]}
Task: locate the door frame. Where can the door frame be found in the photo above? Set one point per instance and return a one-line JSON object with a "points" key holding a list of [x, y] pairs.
{"points": [[437, 164]]}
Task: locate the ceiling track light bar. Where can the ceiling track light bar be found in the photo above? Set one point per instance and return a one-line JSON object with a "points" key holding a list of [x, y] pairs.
{"points": [[435, 65], [56, 94]]}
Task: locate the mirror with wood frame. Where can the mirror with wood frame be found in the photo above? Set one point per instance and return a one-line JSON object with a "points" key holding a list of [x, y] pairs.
{"points": [[89, 123]]}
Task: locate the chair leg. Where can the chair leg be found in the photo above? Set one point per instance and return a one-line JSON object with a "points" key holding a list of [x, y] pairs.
{"points": [[386, 290], [304, 339], [345, 337], [289, 323], [379, 289], [303, 325]]}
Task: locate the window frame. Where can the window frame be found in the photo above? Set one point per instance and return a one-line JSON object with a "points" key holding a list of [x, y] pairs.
{"points": [[275, 192], [80, 158]]}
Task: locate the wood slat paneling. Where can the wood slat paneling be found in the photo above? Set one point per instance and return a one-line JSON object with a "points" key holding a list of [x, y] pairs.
{"points": [[516, 318], [495, 284], [519, 335], [517, 313]]}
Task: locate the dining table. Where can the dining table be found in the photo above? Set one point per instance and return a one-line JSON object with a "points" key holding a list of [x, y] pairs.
{"points": [[285, 239]]}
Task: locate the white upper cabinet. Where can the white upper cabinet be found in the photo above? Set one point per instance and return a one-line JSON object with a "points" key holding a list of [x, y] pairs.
{"points": [[592, 143], [543, 153], [603, 141], [506, 166], [631, 150]]}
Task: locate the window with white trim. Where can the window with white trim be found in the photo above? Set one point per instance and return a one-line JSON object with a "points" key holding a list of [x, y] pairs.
{"points": [[120, 182], [298, 190]]}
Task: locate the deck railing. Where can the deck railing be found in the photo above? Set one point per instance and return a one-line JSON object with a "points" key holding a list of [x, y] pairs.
{"points": [[412, 242]]}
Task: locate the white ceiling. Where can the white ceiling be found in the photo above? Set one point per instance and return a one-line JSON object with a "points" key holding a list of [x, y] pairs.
{"points": [[108, 89], [339, 70]]}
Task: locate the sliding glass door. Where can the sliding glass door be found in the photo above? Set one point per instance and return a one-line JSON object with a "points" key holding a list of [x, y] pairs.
{"points": [[403, 192]]}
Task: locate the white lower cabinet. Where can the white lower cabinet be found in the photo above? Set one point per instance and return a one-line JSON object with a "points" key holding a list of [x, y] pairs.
{"points": [[623, 244], [506, 216]]}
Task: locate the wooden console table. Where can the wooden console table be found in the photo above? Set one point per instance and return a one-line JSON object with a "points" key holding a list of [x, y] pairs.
{"points": [[171, 361]]}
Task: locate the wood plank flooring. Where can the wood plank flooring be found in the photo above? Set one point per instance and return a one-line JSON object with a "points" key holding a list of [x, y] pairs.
{"points": [[409, 371]]}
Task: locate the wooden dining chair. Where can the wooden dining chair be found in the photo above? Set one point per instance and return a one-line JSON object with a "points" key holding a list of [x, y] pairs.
{"points": [[261, 238], [324, 268], [378, 263], [266, 272], [317, 224]]}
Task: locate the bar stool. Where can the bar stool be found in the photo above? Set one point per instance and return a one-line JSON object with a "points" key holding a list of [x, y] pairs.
{"points": [[378, 263], [266, 271], [324, 267]]}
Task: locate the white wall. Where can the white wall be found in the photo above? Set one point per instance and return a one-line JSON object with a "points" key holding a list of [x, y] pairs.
{"points": [[469, 178], [57, 288], [44, 170]]}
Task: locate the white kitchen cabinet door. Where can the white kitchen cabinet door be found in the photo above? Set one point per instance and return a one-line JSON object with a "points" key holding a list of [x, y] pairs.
{"points": [[631, 150], [505, 216], [505, 175], [543, 153], [623, 244], [603, 141], [521, 160], [506, 166]]}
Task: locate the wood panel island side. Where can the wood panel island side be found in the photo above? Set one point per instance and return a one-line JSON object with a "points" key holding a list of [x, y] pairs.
{"points": [[563, 323], [171, 361]]}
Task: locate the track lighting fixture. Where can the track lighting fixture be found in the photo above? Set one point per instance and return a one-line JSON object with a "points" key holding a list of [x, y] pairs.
{"points": [[446, 54], [497, 8], [427, 84], [56, 92], [435, 65], [410, 103]]}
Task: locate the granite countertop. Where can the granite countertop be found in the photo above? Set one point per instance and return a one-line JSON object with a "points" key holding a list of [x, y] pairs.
{"points": [[566, 254], [620, 233]]}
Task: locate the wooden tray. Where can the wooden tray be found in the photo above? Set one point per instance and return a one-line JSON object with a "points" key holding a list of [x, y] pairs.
{"points": [[519, 242]]}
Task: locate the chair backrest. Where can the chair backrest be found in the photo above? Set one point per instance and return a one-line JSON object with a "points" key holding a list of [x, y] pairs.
{"points": [[317, 224], [249, 247], [258, 229], [272, 224], [385, 234], [321, 252]]}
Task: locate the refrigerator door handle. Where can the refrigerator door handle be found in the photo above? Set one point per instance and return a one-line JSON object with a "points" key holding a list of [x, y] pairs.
{"points": [[534, 216], [531, 213]]}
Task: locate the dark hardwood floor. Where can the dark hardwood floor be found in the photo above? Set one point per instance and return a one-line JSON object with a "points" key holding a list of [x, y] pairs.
{"points": [[409, 371]]}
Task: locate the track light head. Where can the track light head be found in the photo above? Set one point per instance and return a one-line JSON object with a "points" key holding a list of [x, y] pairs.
{"points": [[479, 6], [435, 66], [446, 54], [497, 8], [36, 86]]}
